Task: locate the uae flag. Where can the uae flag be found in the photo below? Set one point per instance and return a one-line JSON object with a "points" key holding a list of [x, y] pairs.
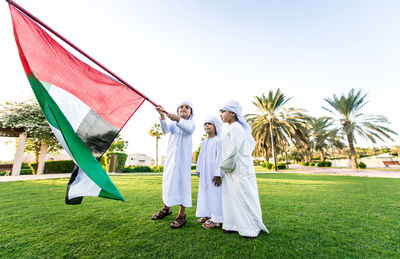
{"points": [[85, 108]]}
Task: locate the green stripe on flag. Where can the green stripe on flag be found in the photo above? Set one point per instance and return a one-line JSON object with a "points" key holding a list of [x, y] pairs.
{"points": [[82, 154]]}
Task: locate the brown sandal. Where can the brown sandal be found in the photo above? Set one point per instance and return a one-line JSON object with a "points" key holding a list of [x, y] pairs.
{"points": [[209, 224], [161, 214], [178, 221], [203, 220]]}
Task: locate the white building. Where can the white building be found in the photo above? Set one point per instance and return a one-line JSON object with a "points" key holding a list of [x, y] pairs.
{"points": [[139, 159]]}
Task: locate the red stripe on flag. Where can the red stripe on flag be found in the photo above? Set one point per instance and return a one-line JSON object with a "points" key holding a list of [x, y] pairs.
{"points": [[53, 64]]}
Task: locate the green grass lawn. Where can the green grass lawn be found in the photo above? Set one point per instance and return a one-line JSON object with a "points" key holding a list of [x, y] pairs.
{"points": [[308, 216]]}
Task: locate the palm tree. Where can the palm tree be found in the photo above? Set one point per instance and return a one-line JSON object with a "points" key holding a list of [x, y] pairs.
{"points": [[275, 125], [352, 122], [323, 134], [336, 143], [156, 132]]}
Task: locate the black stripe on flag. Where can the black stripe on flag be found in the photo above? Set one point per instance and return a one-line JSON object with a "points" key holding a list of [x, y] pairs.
{"points": [[97, 133]]}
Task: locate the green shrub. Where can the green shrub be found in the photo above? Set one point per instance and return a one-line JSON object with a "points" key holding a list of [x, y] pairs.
{"points": [[362, 165], [304, 163], [25, 166], [312, 164], [55, 167], [324, 164], [257, 162], [268, 165], [157, 168], [26, 171], [137, 169], [328, 163], [121, 160], [279, 166]]}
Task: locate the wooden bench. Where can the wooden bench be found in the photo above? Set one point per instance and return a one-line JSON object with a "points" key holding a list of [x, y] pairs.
{"points": [[389, 163], [6, 167]]}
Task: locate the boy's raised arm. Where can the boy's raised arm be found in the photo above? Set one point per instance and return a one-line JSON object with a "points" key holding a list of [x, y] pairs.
{"points": [[186, 126]]}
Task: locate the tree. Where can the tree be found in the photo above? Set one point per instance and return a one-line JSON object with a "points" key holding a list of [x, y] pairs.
{"points": [[323, 134], [274, 125], [352, 122], [28, 115], [196, 153], [118, 145], [156, 132]]}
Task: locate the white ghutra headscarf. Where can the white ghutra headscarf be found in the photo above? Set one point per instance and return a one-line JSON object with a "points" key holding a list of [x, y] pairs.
{"points": [[217, 123], [188, 103], [234, 106]]}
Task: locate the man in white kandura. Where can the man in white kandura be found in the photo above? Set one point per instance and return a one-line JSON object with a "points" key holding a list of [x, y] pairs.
{"points": [[240, 200], [176, 186], [209, 202]]}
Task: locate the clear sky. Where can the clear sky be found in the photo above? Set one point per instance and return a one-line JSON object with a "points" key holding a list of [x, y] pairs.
{"points": [[210, 51]]}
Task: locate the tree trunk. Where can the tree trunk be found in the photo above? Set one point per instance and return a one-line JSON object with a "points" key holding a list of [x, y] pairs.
{"points": [[321, 155], [273, 147], [287, 162], [37, 154], [352, 154], [266, 154], [308, 156], [156, 151]]}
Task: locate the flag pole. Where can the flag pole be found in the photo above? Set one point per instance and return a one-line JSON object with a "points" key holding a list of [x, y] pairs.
{"points": [[32, 17]]}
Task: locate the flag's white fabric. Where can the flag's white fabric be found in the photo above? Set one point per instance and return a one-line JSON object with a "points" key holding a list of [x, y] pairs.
{"points": [[240, 200], [176, 187], [209, 201]]}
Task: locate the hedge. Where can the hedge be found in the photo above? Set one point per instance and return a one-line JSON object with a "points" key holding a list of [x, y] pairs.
{"points": [[158, 168], [280, 166], [121, 160], [267, 165], [3, 173], [362, 165], [324, 164], [55, 167], [135, 169], [26, 172]]}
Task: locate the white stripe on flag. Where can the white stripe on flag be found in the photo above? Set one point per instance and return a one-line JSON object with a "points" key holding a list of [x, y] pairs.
{"points": [[60, 138], [83, 186], [74, 109]]}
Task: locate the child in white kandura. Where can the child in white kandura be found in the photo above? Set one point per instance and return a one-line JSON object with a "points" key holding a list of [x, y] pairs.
{"points": [[240, 200], [176, 186], [209, 203]]}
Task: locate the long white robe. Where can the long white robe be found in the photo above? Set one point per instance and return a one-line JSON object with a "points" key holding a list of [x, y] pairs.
{"points": [[240, 200], [176, 187], [209, 199]]}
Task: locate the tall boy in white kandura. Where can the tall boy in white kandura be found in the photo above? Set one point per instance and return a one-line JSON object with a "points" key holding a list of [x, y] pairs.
{"points": [[209, 204], [240, 200], [176, 186]]}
